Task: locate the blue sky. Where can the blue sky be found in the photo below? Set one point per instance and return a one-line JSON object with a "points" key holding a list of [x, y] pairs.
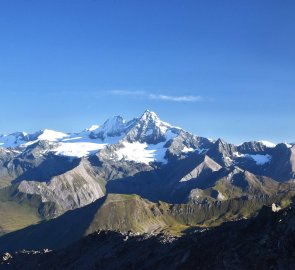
{"points": [[216, 68]]}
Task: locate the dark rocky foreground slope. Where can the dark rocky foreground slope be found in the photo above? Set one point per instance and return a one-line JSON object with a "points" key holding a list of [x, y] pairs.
{"points": [[266, 241]]}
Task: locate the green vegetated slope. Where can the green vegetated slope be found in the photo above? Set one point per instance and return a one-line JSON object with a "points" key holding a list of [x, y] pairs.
{"points": [[15, 216], [127, 212], [17, 212]]}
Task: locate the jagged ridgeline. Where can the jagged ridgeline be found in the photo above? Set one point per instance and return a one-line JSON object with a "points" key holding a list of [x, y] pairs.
{"points": [[143, 175]]}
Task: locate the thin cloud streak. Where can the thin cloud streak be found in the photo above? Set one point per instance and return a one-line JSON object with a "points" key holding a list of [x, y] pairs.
{"points": [[176, 98], [145, 94], [128, 93]]}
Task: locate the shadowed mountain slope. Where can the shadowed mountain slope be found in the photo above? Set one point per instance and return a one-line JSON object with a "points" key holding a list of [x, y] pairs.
{"points": [[263, 242]]}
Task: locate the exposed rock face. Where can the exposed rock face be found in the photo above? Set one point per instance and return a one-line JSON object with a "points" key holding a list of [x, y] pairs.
{"points": [[282, 165], [70, 190], [251, 148], [208, 166], [264, 242], [222, 153], [6, 176], [184, 143]]}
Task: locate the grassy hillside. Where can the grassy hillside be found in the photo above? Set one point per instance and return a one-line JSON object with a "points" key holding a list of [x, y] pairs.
{"points": [[19, 210], [14, 216]]}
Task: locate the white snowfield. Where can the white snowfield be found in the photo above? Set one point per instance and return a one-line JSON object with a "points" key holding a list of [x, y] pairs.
{"points": [[78, 149], [136, 151], [142, 152], [51, 135]]}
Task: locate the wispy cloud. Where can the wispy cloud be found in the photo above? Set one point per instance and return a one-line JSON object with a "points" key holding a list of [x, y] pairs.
{"points": [[175, 98], [128, 93], [148, 95]]}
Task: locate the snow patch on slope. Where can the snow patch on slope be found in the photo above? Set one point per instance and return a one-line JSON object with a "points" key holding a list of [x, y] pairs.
{"points": [[136, 151], [78, 149], [260, 159], [92, 128], [288, 145], [268, 144], [220, 196], [187, 149], [200, 151], [142, 152]]}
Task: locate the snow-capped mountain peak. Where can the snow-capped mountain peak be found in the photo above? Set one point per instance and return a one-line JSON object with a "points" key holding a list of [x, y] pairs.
{"points": [[112, 127], [150, 117], [113, 124], [149, 129]]}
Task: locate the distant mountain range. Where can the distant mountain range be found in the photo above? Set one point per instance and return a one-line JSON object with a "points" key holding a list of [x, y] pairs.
{"points": [[123, 170]]}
